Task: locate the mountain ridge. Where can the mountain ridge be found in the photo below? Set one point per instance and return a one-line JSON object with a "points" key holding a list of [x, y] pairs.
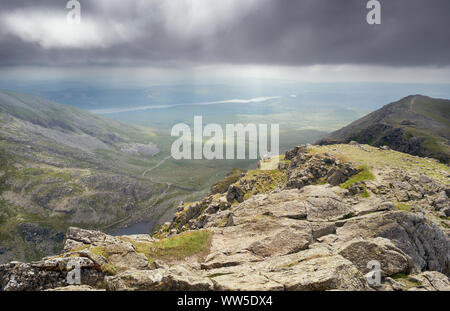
{"points": [[415, 124]]}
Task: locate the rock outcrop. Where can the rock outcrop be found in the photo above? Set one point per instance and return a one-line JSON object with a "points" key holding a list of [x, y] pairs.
{"points": [[303, 227]]}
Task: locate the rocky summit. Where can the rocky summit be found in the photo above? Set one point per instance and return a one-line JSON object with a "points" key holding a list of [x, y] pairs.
{"points": [[321, 221]]}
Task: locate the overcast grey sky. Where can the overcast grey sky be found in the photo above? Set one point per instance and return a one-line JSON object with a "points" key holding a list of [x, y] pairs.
{"points": [[304, 39]]}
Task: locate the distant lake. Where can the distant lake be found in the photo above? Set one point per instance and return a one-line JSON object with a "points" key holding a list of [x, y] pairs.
{"points": [[145, 227]]}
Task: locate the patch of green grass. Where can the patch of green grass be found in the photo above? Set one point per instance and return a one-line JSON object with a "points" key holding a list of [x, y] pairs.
{"points": [[282, 159], [143, 248], [365, 193], [182, 245], [176, 247], [321, 181], [264, 181], [407, 282], [109, 269], [403, 207], [100, 251], [363, 175], [399, 276]]}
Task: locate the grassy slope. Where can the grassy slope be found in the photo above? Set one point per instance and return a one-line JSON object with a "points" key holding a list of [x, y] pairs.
{"points": [[48, 114], [377, 159]]}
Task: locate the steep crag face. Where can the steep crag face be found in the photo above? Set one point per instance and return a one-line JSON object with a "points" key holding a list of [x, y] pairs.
{"points": [[312, 224]]}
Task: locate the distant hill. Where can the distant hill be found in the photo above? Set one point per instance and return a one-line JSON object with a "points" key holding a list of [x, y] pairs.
{"points": [[416, 124], [59, 122]]}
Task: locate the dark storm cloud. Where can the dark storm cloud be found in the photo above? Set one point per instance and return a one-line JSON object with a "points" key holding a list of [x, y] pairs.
{"points": [[279, 32]]}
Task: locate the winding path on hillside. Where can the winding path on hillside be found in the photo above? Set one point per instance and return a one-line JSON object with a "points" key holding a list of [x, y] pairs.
{"points": [[169, 184], [411, 103], [156, 166]]}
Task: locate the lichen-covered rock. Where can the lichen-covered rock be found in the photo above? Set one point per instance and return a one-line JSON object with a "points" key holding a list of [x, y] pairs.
{"points": [[423, 241], [306, 231], [47, 274], [77, 237], [235, 193], [319, 274], [324, 204], [176, 278], [428, 280], [306, 169], [361, 252]]}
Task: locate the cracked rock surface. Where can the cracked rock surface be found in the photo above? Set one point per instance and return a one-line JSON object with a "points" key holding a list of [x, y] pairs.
{"points": [[308, 232]]}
